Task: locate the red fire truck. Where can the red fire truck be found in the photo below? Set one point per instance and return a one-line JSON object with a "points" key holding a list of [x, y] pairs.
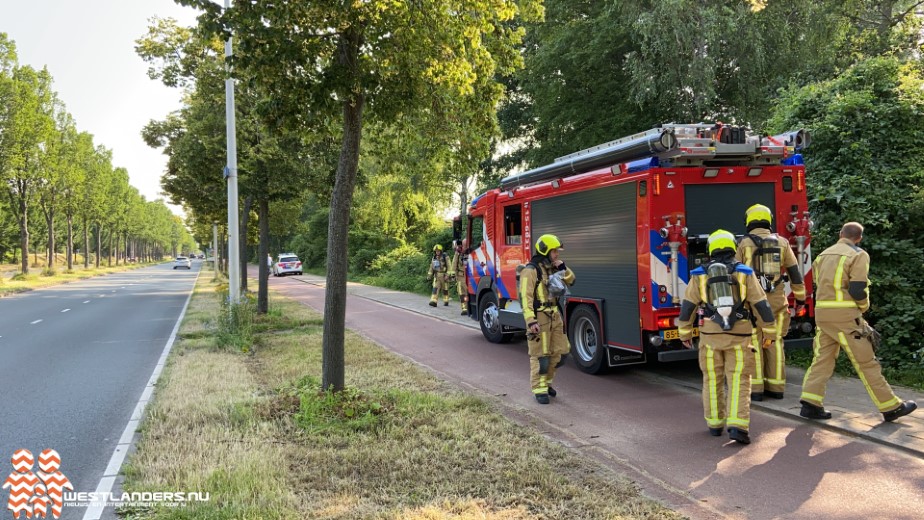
{"points": [[633, 215]]}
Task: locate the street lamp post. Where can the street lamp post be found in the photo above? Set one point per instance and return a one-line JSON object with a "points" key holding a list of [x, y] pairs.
{"points": [[234, 277]]}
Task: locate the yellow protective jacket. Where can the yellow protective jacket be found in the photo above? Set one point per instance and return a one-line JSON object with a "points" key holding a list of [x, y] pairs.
{"points": [[788, 261], [534, 288], [444, 265], [841, 282], [749, 291], [458, 265]]}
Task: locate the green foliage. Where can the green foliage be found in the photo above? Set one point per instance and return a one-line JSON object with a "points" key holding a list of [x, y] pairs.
{"points": [[366, 246], [866, 164], [236, 322], [349, 410], [407, 274], [385, 261]]}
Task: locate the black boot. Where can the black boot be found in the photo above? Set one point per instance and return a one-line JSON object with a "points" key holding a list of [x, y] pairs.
{"points": [[757, 396], [810, 411], [552, 392], [739, 435], [432, 304], [715, 432], [446, 303], [772, 394], [903, 409], [542, 398]]}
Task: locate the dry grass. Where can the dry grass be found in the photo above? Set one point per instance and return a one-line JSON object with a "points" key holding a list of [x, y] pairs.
{"points": [[253, 430]]}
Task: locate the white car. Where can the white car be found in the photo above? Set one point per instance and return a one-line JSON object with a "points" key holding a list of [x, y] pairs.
{"points": [[182, 261], [287, 263]]}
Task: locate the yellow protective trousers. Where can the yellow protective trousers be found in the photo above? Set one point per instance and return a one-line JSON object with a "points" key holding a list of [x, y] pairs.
{"points": [[545, 350], [726, 360], [770, 363], [829, 340], [463, 292], [440, 285]]}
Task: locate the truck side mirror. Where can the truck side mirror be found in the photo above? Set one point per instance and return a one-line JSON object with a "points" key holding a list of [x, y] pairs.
{"points": [[457, 228]]}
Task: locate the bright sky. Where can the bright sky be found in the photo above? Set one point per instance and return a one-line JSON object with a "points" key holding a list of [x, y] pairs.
{"points": [[88, 47]]}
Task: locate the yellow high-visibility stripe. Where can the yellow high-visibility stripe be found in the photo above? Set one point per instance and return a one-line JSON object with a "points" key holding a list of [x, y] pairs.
{"points": [[545, 343], [702, 288], [888, 405], [778, 345], [758, 355], [831, 304], [736, 386], [838, 279], [748, 256], [713, 417], [816, 347], [743, 284]]}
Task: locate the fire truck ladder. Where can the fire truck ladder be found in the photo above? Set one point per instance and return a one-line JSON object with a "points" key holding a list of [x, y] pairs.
{"points": [[674, 144]]}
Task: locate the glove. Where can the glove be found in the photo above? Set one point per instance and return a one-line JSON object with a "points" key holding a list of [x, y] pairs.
{"points": [[873, 335], [429, 278], [687, 343], [800, 306], [768, 342]]}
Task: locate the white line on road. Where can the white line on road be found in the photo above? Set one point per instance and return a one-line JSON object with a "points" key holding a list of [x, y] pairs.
{"points": [[65, 310], [36, 321], [94, 512], [88, 301]]}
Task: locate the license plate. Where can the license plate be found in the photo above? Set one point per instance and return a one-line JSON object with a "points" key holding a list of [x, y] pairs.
{"points": [[675, 334]]}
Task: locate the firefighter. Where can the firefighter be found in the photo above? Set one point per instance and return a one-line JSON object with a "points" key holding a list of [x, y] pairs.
{"points": [[772, 259], [842, 285], [723, 296], [459, 260], [542, 281], [438, 272]]}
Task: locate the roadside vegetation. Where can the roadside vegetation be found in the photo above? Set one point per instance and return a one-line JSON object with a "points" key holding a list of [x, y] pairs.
{"points": [[240, 414], [12, 281]]}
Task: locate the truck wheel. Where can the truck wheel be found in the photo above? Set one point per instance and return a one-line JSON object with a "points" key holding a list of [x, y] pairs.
{"points": [[490, 322], [587, 344]]}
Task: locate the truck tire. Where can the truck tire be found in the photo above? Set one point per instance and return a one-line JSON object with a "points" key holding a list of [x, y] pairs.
{"points": [[490, 325], [587, 347]]}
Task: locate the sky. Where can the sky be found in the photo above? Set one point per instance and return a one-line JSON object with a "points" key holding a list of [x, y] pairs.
{"points": [[89, 49]]}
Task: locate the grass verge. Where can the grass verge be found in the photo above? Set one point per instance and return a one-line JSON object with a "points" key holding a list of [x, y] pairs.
{"points": [[254, 431], [44, 278]]}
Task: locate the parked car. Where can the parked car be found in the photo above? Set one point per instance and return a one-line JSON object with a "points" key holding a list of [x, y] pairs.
{"points": [[287, 263], [182, 261]]}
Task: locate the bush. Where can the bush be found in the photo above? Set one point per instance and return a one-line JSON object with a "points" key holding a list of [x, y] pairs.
{"points": [[366, 246], [385, 261], [407, 274], [441, 236]]}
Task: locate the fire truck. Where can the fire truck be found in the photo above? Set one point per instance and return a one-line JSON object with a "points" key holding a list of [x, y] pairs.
{"points": [[633, 216]]}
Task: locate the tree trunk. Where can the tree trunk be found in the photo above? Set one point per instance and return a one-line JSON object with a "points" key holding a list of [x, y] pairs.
{"points": [[24, 234], [86, 244], [245, 217], [50, 220], [99, 243], [109, 251], [338, 227], [70, 242], [263, 270]]}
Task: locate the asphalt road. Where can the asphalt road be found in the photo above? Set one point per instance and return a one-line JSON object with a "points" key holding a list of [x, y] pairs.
{"points": [[74, 360], [655, 433]]}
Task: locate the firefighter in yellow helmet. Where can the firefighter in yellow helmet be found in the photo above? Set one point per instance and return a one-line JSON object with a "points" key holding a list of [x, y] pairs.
{"points": [[542, 282], [842, 296], [774, 263], [724, 295], [439, 272], [459, 261]]}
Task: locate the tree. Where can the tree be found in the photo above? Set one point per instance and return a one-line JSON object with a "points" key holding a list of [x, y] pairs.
{"points": [[328, 60], [866, 163]]}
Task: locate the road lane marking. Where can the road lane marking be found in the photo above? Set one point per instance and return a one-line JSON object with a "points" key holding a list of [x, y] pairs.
{"points": [[125, 441], [88, 301], [36, 321], [65, 310]]}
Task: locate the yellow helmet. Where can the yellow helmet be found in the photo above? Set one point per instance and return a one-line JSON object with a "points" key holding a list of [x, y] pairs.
{"points": [[721, 239], [546, 243], [437, 247], [756, 213]]}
